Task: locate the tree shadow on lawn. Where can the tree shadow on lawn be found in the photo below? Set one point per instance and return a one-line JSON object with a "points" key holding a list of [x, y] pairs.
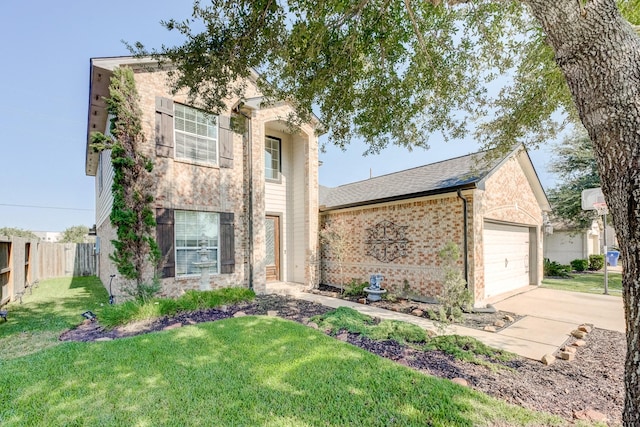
{"points": [[52, 307], [239, 371]]}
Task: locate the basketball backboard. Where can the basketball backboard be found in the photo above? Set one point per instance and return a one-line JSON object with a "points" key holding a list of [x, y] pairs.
{"points": [[591, 197]]}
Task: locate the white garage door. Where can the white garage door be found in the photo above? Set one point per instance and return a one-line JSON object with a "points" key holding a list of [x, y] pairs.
{"points": [[506, 258]]}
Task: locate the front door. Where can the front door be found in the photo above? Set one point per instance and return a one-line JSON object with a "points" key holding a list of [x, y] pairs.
{"points": [[272, 226]]}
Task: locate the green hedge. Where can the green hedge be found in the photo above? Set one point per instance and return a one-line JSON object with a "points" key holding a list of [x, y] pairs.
{"points": [[579, 265], [596, 262], [555, 269]]}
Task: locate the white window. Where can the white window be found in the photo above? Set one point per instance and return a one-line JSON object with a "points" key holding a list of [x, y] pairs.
{"points": [[272, 157], [191, 228], [196, 135]]}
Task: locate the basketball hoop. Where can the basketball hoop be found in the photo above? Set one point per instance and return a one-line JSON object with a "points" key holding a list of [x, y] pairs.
{"points": [[601, 207]]}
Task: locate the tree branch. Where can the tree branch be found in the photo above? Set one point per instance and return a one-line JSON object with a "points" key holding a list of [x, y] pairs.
{"points": [[416, 29], [351, 14]]}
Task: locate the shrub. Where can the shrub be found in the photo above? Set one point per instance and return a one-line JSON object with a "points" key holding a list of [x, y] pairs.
{"points": [[454, 297], [348, 319], [596, 262], [398, 331], [579, 265], [555, 269], [119, 314], [344, 318], [142, 292], [355, 288], [468, 349]]}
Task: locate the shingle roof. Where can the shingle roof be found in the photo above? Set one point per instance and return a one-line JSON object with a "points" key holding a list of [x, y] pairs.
{"points": [[434, 178]]}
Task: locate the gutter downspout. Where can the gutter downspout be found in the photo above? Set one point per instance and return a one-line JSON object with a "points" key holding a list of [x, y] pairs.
{"points": [[466, 246], [247, 140]]}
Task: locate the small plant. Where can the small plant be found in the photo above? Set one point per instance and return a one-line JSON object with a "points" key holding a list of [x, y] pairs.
{"points": [[406, 289], [335, 237], [390, 297], [454, 297], [143, 292], [355, 288], [579, 265], [596, 262], [555, 269]]}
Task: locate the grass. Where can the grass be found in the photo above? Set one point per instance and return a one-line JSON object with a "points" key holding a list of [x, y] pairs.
{"points": [[52, 307], [253, 371], [248, 371], [588, 282]]}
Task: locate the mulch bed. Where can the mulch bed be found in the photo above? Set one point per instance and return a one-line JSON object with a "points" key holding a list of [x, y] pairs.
{"points": [[593, 380], [474, 320]]}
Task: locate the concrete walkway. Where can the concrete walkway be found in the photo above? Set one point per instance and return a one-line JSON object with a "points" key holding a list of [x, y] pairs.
{"points": [[550, 316]]}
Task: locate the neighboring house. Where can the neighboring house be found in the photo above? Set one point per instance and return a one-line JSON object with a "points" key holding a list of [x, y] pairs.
{"points": [[49, 236], [567, 243], [251, 197], [398, 223]]}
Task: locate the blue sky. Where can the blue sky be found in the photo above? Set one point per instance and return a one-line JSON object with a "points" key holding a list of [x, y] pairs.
{"points": [[45, 80]]}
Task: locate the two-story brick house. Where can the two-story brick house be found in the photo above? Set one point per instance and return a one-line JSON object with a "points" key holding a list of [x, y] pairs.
{"points": [[250, 195]]}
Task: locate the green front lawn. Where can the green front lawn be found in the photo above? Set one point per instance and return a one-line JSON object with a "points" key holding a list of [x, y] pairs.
{"points": [[248, 371], [52, 307], [589, 282]]}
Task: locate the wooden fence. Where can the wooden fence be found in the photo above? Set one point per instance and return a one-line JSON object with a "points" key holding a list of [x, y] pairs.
{"points": [[24, 262], [66, 259]]}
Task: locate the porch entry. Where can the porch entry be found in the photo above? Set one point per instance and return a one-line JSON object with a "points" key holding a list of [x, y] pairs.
{"points": [[272, 226]]}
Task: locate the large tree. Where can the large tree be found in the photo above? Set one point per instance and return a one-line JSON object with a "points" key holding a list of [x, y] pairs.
{"points": [[17, 232], [577, 170], [395, 71], [75, 234]]}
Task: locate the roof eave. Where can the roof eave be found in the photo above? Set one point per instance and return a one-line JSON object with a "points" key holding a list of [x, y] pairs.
{"points": [[439, 191]]}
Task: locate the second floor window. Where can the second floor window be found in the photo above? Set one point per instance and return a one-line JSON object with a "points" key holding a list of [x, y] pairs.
{"points": [[196, 135], [272, 157]]}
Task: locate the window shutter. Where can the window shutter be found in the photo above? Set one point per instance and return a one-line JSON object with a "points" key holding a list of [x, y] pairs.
{"points": [[225, 142], [227, 249], [164, 127], [165, 239]]}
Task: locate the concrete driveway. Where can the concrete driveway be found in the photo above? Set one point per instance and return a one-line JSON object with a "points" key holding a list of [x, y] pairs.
{"points": [[603, 311]]}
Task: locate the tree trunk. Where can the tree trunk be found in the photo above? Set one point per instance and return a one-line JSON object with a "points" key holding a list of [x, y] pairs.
{"points": [[599, 53]]}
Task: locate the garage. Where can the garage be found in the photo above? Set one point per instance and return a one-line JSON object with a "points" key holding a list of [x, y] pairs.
{"points": [[507, 250]]}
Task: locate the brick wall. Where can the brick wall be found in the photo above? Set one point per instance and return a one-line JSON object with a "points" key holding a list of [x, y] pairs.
{"points": [[430, 224], [186, 186]]}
